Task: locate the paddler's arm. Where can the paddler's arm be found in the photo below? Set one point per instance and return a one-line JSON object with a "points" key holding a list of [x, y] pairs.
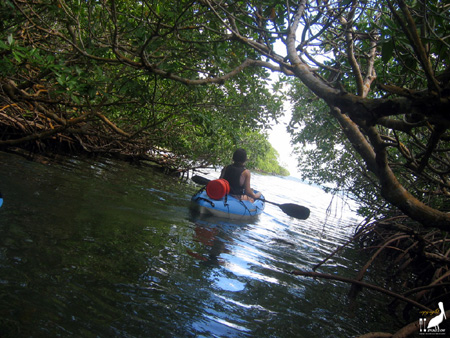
{"points": [[248, 190]]}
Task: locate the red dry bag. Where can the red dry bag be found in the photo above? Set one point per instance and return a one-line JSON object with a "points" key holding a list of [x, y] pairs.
{"points": [[217, 189]]}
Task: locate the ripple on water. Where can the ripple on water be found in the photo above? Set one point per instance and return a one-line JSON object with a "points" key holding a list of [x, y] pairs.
{"points": [[108, 249]]}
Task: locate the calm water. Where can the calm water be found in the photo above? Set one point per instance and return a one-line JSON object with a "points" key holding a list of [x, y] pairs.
{"points": [[105, 249]]}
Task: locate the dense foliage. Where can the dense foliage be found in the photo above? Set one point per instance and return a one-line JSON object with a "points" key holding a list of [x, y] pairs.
{"points": [[377, 57], [105, 77], [326, 156]]}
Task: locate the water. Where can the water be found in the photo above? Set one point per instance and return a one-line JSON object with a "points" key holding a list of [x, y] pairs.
{"points": [[103, 249]]}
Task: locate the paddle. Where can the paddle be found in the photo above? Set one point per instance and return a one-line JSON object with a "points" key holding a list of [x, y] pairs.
{"points": [[290, 209]]}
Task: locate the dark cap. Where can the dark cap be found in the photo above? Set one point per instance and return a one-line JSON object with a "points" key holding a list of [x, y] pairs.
{"points": [[240, 155]]}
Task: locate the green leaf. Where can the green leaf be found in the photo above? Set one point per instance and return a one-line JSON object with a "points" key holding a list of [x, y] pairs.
{"points": [[387, 49], [75, 98], [17, 55]]}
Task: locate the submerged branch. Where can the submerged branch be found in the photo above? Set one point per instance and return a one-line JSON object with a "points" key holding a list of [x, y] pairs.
{"points": [[363, 284]]}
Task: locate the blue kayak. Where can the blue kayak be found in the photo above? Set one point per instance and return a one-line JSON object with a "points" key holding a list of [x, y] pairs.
{"points": [[227, 207]]}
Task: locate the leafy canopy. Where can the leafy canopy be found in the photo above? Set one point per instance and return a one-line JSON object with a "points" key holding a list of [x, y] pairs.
{"points": [[126, 76]]}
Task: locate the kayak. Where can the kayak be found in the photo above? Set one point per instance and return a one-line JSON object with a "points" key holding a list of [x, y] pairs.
{"points": [[227, 207], [215, 189]]}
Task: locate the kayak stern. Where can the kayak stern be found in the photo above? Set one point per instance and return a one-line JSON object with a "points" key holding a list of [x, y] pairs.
{"points": [[228, 207]]}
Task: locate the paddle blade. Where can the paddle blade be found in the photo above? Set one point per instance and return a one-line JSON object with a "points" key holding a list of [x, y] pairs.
{"points": [[295, 210], [200, 180]]}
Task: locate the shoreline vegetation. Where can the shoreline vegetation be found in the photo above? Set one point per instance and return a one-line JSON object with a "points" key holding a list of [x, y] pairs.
{"points": [[129, 79], [160, 159]]}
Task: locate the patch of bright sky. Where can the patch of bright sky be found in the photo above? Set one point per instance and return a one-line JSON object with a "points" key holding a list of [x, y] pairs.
{"points": [[279, 137], [281, 141]]}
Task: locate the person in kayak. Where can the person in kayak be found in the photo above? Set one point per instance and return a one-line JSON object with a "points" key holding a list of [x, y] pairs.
{"points": [[239, 177]]}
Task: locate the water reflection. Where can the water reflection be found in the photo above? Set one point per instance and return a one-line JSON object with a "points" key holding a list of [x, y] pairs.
{"points": [[215, 241], [91, 248]]}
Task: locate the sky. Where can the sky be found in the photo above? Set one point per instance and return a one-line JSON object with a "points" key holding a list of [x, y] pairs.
{"points": [[280, 139], [278, 136]]}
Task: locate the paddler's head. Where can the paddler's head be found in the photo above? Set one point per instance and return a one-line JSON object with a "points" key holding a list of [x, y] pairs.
{"points": [[240, 156]]}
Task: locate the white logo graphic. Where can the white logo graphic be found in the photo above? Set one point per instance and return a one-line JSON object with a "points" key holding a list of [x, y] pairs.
{"points": [[432, 327]]}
